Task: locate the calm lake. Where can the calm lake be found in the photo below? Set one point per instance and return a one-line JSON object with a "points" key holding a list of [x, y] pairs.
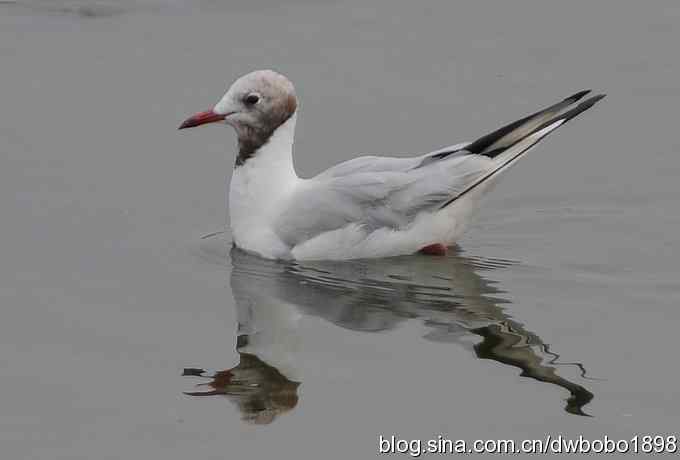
{"points": [[131, 329]]}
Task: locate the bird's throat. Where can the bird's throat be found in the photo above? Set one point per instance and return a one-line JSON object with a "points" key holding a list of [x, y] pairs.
{"points": [[252, 140], [266, 176]]}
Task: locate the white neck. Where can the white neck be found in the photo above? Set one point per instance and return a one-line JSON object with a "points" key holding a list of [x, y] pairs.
{"points": [[258, 185]]}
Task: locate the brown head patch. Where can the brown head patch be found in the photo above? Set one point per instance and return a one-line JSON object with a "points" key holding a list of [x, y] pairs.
{"points": [[277, 104]]}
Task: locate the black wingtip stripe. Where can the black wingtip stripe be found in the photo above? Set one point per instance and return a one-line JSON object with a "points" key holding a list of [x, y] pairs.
{"points": [[571, 113], [585, 105], [575, 97], [480, 145], [566, 116]]}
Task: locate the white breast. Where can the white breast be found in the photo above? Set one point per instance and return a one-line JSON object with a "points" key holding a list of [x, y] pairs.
{"points": [[258, 189]]}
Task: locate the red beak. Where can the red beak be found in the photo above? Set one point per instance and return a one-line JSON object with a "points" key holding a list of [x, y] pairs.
{"points": [[201, 118]]}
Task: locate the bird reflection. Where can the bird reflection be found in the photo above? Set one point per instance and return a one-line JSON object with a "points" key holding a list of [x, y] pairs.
{"points": [[259, 390], [448, 294]]}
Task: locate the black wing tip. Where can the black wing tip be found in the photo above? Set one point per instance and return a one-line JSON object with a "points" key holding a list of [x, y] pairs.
{"points": [[575, 97], [585, 105], [597, 98], [480, 145]]}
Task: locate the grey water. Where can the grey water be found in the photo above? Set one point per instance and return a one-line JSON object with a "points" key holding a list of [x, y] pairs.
{"points": [[130, 328]]}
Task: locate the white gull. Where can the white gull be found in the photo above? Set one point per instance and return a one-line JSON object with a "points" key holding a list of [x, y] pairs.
{"points": [[371, 206]]}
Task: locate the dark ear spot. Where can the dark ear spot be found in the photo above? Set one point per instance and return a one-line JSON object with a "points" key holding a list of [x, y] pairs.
{"points": [[251, 138], [290, 105]]}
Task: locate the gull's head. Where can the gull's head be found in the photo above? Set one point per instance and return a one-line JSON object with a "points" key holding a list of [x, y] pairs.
{"points": [[255, 105]]}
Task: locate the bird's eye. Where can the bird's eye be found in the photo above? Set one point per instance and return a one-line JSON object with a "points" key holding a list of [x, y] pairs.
{"points": [[252, 99]]}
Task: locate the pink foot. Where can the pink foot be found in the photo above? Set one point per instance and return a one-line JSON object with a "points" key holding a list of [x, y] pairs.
{"points": [[436, 249]]}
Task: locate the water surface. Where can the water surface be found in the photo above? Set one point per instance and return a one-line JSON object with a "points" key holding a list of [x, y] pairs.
{"points": [[557, 314]]}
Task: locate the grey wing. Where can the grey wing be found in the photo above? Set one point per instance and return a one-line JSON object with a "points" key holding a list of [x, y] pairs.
{"points": [[372, 163], [369, 195], [375, 192]]}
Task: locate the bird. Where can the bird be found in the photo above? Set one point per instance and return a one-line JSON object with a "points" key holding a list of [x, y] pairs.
{"points": [[366, 207]]}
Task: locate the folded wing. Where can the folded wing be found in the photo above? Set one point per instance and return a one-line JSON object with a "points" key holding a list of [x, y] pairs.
{"points": [[377, 192]]}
